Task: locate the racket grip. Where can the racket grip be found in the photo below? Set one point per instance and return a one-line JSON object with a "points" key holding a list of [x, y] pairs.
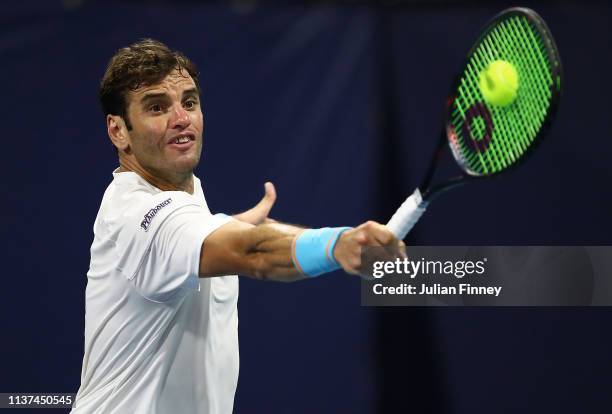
{"points": [[407, 215]]}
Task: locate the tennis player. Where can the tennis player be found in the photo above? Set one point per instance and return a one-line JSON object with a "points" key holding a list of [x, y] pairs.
{"points": [[161, 323]]}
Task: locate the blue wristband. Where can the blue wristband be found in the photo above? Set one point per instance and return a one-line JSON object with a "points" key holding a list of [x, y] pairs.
{"points": [[313, 250]]}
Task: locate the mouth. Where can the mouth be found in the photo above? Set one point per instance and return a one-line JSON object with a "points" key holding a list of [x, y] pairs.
{"points": [[182, 140]]}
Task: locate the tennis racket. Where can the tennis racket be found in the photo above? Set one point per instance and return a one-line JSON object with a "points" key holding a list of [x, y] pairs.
{"points": [[496, 113]]}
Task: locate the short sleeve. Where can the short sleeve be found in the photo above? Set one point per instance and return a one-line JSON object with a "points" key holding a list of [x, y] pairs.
{"points": [[159, 247]]}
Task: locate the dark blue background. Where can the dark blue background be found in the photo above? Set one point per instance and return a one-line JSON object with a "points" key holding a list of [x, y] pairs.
{"points": [[340, 106]]}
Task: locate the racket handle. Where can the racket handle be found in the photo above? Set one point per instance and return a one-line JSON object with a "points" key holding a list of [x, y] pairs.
{"points": [[407, 215]]}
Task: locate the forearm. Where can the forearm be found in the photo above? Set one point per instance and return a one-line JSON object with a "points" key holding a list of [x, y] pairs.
{"points": [[297, 252], [268, 250], [261, 252]]}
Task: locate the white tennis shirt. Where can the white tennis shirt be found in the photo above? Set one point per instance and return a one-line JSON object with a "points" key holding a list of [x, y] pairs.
{"points": [[157, 338]]}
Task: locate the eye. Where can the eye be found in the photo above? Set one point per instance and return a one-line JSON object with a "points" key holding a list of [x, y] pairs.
{"points": [[155, 108], [190, 104]]}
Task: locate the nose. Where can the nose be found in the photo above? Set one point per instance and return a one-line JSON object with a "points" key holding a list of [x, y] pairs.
{"points": [[180, 117]]}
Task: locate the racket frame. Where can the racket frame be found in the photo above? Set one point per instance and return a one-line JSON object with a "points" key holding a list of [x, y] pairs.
{"points": [[414, 206], [429, 193]]}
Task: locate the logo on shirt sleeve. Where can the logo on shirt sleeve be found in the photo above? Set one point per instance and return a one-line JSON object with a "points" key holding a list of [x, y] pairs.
{"points": [[148, 218]]}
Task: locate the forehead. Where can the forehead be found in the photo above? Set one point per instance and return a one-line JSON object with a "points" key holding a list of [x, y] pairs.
{"points": [[174, 83]]}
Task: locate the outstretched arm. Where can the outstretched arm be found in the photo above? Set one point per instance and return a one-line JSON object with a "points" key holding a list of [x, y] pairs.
{"points": [[268, 251]]}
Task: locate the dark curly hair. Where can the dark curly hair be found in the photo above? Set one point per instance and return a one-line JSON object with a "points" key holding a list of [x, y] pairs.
{"points": [[145, 62]]}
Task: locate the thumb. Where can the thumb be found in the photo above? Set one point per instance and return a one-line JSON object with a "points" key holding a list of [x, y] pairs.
{"points": [[268, 200], [259, 213]]}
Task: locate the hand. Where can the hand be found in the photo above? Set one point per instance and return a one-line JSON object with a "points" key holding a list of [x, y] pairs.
{"points": [[259, 213], [348, 249]]}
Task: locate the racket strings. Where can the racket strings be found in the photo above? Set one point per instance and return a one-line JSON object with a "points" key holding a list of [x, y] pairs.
{"points": [[516, 127], [537, 74], [483, 157], [494, 161], [490, 160], [520, 119], [506, 147], [535, 97], [469, 89], [510, 128]]}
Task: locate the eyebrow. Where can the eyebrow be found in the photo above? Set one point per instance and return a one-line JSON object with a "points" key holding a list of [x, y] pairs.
{"points": [[160, 95], [152, 96], [191, 92]]}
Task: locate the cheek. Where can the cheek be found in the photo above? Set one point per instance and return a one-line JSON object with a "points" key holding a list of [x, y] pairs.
{"points": [[147, 140], [154, 133], [197, 119]]}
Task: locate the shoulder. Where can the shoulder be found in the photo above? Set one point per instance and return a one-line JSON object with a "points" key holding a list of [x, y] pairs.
{"points": [[131, 206]]}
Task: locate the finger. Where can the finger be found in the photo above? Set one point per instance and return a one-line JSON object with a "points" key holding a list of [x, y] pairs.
{"points": [[270, 192], [267, 202], [367, 232], [259, 213], [394, 249], [383, 235], [402, 250]]}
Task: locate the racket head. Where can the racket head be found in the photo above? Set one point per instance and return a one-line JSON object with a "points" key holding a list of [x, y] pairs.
{"points": [[487, 139]]}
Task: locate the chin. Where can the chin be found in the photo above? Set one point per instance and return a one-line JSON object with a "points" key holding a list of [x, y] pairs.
{"points": [[186, 164]]}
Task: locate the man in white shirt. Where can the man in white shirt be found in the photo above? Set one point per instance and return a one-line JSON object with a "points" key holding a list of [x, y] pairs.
{"points": [[161, 323]]}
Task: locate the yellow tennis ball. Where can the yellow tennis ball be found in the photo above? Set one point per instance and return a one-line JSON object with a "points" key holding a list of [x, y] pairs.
{"points": [[499, 83]]}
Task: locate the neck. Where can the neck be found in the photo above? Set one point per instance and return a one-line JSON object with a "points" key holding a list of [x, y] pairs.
{"points": [[178, 183]]}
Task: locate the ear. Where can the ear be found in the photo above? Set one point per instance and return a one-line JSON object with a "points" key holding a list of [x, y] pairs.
{"points": [[117, 132]]}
